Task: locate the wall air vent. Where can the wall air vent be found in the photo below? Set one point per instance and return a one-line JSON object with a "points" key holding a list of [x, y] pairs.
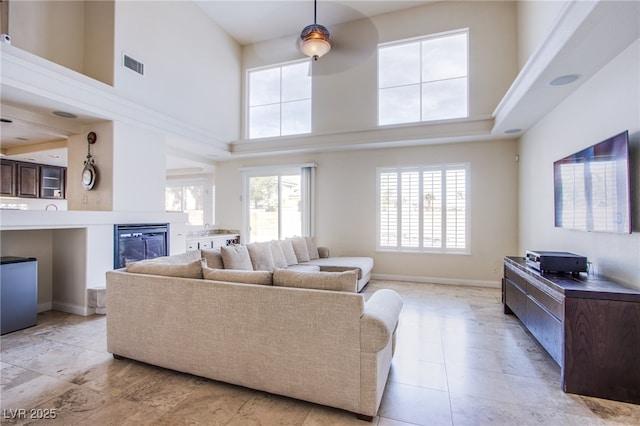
{"points": [[132, 64]]}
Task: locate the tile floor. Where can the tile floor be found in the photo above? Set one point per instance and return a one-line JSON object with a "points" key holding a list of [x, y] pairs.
{"points": [[459, 361]]}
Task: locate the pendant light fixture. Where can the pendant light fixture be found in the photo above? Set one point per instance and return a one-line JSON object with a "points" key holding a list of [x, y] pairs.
{"points": [[314, 39]]}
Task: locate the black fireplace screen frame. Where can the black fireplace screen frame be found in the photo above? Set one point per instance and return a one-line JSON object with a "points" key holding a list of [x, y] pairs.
{"points": [[139, 241]]}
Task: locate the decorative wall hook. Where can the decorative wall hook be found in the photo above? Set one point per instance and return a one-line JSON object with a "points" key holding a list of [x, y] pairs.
{"points": [[89, 173]]}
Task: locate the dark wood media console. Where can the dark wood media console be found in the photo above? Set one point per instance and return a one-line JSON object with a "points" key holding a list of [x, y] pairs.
{"points": [[590, 326]]}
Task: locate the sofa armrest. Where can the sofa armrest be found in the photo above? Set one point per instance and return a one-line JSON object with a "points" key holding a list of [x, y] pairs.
{"points": [[323, 252], [379, 320]]}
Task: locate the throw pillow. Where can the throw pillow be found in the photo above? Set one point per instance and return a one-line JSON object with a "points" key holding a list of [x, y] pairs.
{"points": [[181, 270], [335, 281], [260, 255], [289, 254], [238, 276], [279, 260], [312, 248], [213, 258], [236, 257], [300, 248]]}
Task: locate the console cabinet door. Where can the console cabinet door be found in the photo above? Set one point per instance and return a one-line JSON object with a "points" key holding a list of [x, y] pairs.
{"points": [[8, 178], [28, 180]]}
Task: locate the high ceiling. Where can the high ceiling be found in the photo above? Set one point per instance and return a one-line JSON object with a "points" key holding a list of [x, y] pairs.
{"points": [[247, 21], [251, 21]]}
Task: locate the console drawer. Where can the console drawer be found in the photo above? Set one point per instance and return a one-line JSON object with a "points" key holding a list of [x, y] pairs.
{"points": [[515, 298], [552, 304]]}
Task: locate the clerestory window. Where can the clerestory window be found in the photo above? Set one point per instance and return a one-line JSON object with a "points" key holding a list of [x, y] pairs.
{"points": [[279, 100], [423, 79]]}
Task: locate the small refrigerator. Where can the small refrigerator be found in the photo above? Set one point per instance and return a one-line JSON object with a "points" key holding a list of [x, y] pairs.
{"points": [[18, 293]]}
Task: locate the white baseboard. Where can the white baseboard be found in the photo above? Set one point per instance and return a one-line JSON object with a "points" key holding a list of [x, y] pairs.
{"points": [[433, 280], [44, 307], [71, 309]]}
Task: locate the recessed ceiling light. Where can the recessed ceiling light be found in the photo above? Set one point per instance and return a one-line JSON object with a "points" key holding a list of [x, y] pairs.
{"points": [[65, 114], [512, 131], [564, 79]]}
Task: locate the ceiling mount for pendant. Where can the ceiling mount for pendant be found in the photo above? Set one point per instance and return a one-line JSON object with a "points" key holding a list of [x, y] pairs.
{"points": [[315, 38]]}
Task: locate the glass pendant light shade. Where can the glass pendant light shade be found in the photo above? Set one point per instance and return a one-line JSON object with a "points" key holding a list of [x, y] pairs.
{"points": [[315, 41]]}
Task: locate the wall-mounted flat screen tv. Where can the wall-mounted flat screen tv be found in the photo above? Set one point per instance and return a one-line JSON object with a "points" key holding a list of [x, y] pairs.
{"points": [[591, 187]]}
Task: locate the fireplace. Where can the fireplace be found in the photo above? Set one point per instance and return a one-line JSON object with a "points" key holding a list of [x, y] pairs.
{"points": [[133, 242]]}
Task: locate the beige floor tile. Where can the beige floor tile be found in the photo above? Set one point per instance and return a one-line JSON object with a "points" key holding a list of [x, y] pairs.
{"points": [[459, 360]]}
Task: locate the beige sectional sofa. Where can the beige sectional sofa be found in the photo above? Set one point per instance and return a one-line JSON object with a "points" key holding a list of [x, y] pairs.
{"points": [[329, 347], [299, 253]]}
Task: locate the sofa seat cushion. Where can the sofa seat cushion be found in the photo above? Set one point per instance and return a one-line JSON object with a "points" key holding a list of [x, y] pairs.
{"points": [[304, 268], [364, 265], [333, 281]]}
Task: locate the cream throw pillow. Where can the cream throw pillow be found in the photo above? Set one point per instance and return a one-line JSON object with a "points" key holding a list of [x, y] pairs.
{"points": [[279, 260], [300, 248], [236, 257], [180, 270], [312, 248], [335, 281], [260, 255], [238, 276], [289, 254], [213, 258]]}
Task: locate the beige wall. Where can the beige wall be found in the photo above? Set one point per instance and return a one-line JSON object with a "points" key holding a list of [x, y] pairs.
{"points": [[345, 81], [605, 105], [101, 197], [346, 207], [535, 19], [38, 244], [75, 34]]}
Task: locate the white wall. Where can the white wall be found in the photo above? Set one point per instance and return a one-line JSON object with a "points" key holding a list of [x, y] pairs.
{"points": [[346, 207], [607, 104], [192, 67], [138, 169], [345, 80]]}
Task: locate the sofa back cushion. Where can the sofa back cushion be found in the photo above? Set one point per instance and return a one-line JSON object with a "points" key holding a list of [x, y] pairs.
{"points": [[180, 270], [334, 281], [181, 258], [260, 255], [287, 250], [213, 258], [238, 276], [236, 257]]}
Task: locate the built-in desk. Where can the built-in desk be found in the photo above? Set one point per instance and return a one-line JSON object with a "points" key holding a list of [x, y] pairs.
{"points": [[590, 326]]}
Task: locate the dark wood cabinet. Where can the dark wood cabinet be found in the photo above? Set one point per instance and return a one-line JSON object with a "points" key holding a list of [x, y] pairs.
{"points": [[590, 326], [8, 178], [31, 180], [52, 182], [28, 180]]}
